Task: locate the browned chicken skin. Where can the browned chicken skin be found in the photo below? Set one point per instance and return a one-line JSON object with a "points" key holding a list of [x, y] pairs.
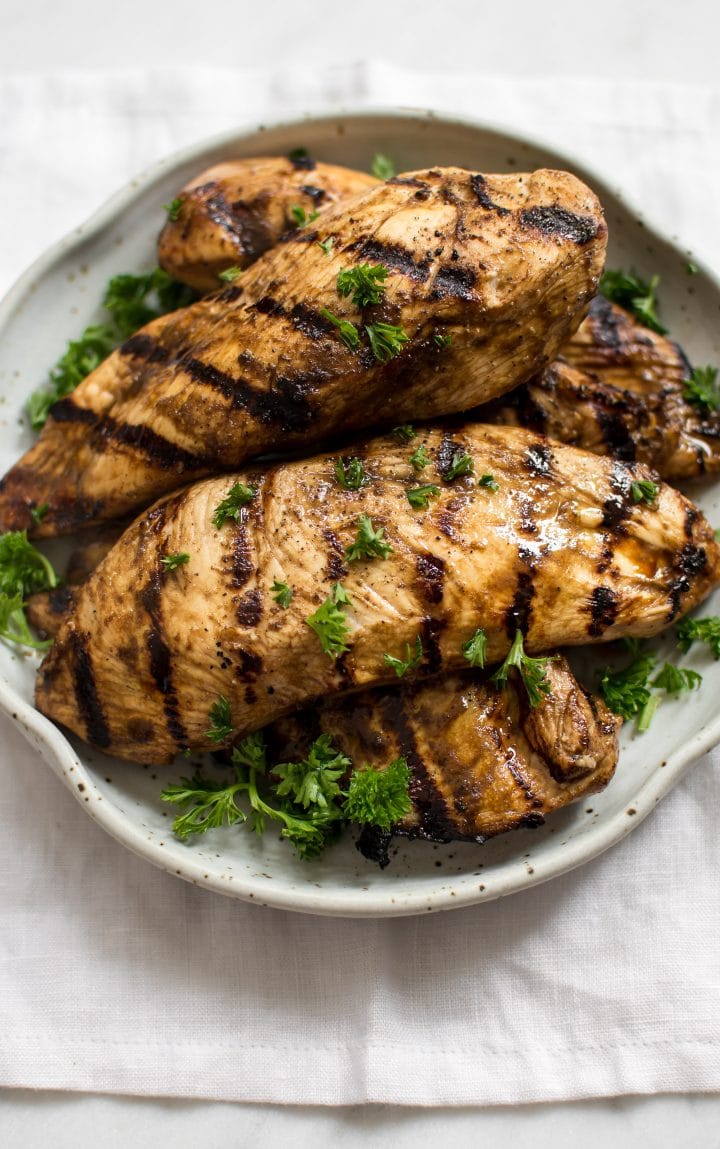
{"points": [[504, 265], [233, 212], [481, 761], [560, 551]]}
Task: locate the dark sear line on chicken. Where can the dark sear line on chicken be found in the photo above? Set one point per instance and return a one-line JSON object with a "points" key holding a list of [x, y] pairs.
{"points": [[159, 424], [496, 577], [481, 761]]}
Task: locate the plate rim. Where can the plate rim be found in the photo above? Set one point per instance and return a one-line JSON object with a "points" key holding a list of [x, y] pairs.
{"points": [[56, 749]]}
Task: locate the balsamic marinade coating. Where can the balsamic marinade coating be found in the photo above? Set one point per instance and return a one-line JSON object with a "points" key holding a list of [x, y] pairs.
{"points": [[560, 551], [502, 265]]}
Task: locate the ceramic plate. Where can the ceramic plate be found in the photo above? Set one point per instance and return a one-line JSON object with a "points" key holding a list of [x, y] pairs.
{"points": [[59, 296]]}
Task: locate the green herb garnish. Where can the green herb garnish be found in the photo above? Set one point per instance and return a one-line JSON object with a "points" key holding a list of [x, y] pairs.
{"points": [[421, 496], [369, 543], [442, 340], [411, 662], [533, 671], [330, 624], [635, 295], [701, 388], [221, 726], [172, 562], [348, 331], [705, 630], [301, 217], [676, 679], [365, 283], [173, 209], [327, 244], [379, 797], [382, 167], [627, 692], [474, 649], [230, 274], [230, 507], [282, 593], [23, 571], [488, 481], [386, 340], [420, 459], [460, 464], [37, 514], [405, 433], [315, 780], [82, 356], [351, 474], [644, 491]]}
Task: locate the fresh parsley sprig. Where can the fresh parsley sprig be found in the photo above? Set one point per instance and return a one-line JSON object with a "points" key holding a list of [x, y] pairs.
{"points": [[460, 464], [386, 340], [365, 283], [420, 459], [474, 649], [221, 726], [705, 630], [379, 797], [405, 433], [347, 331], [369, 543], [282, 593], [488, 482], [230, 507], [316, 780], [351, 474], [635, 295], [702, 390], [382, 167], [300, 217], [644, 491], [23, 571], [173, 561], [230, 274], [627, 691], [174, 209], [330, 623], [532, 671], [81, 357], [327, 244], [421, 496], [411, 662]]}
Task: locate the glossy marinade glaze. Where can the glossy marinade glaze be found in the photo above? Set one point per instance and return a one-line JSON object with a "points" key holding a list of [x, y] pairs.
{"points": [[502, 265], [560, 551]]}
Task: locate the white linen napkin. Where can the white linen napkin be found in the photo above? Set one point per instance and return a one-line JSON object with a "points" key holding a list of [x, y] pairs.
{"points": [[117, 977]]}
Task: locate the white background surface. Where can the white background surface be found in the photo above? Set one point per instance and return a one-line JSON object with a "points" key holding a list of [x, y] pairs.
{"points": [[643, 41]]}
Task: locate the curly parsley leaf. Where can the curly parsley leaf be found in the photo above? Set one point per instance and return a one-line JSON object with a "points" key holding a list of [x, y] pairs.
{"points": [[23, 569], [282, 593], [330, 624], [230, 274], [532, 671], [174, 209], [206, 803], [421, 496], [705, 630], [82, 356], [460, 464], [627, 692], [221, 726], [365, 283], [382, 167], [702, 390], [386, 340], [488, 482], [442, 340], [644, 491], [38, 513], [231, 506], [347, 331], [420, 459], [676, 679], [351, 474], [301, 217], [369, 543], [474, 649], [635, 295], [413, 660], [315, 780], [379, 797], [405, 433], [327, 244]]}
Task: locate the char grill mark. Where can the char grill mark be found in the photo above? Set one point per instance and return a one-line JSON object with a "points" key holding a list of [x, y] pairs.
{"points": [[153, 446], [395, 258], [431, 572], [86, 693], [250, 608], [317, 195], [430, 638], [617, 506], [559, 222], [146, 347], [150, 598], [336, 566], [240, 221], [434, 819], [539, 460], [455, 282], [478, 184], [285, 404], [519, 614], [605, 323], [603, 610]]}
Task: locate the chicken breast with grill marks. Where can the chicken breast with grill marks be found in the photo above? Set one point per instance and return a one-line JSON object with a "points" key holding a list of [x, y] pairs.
{"points": [[503, 266], [618, 389], [233, 212], [560, 551], [481, 761]]}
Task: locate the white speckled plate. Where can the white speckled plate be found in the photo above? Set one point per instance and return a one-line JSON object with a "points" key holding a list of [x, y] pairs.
{"points": [[59, 296]]}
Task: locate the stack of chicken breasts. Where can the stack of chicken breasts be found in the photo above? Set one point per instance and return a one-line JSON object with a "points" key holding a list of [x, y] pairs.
{"points": [[487, 335]]}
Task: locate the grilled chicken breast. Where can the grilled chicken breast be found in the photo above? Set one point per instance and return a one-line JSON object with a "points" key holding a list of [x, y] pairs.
{"points": [[559, 551], [503, 265], [233, 212], [618, 389], [481, 761]]}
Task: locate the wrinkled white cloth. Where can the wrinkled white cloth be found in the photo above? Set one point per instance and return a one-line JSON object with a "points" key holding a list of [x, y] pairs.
{"points": [[116, 977]]}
